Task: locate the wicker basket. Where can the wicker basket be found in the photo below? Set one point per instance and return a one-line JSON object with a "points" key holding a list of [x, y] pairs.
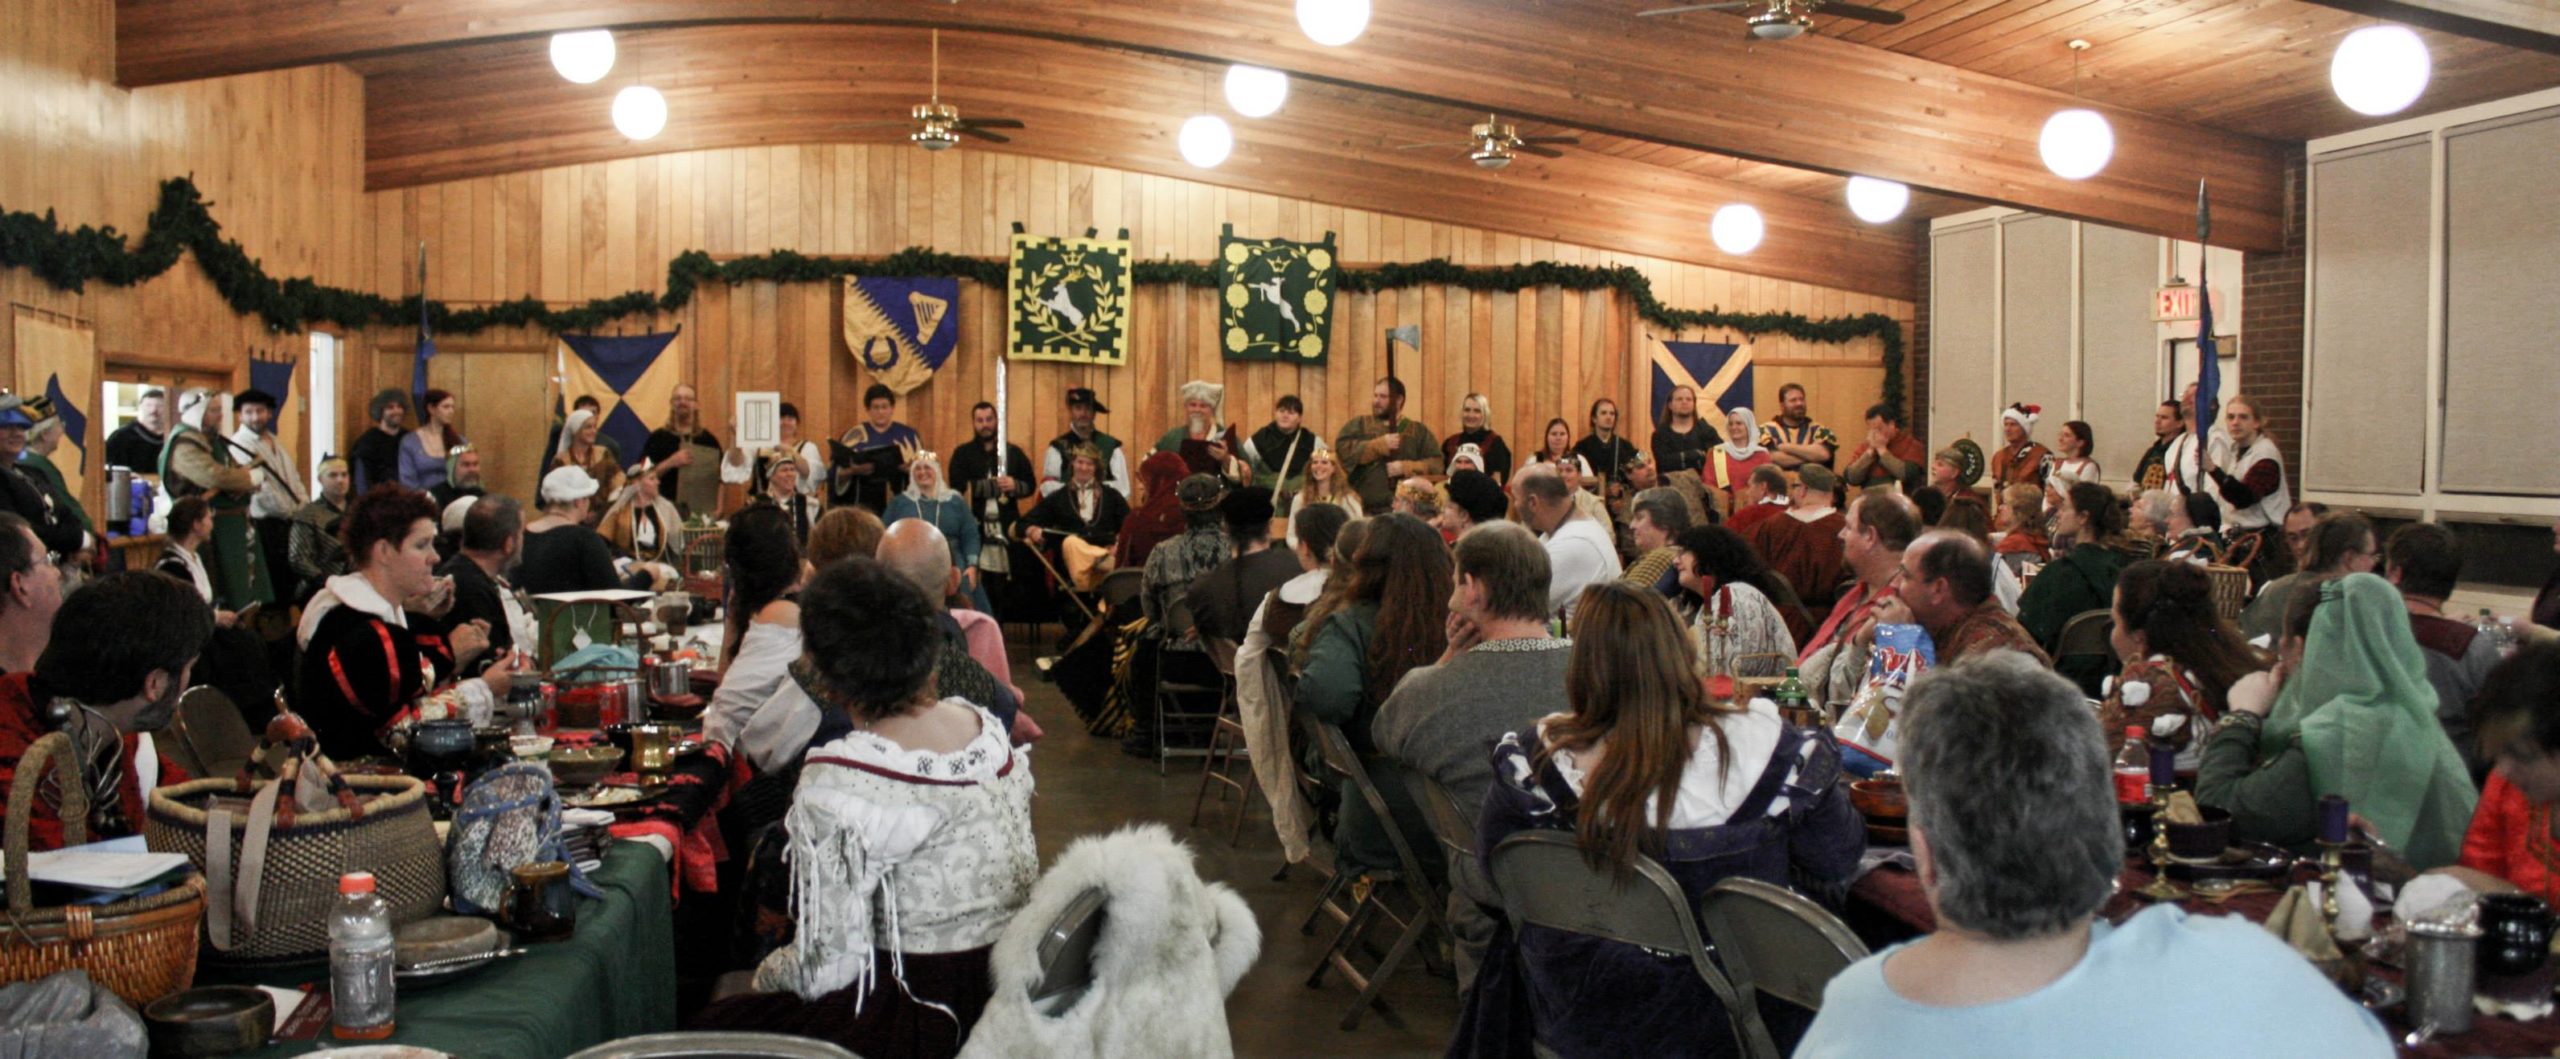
{"points": [[2230, 590], [287, 905], [143, 949]]}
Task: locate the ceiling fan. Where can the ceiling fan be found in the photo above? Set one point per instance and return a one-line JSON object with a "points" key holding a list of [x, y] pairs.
{"points": [[1785, 19], [1492, 143], [939, 125]]}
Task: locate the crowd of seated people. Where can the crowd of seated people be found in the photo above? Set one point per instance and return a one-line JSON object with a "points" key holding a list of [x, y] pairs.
{"points": [[1544, 644]]}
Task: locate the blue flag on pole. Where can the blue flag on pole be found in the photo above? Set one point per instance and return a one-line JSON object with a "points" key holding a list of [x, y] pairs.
{"points": [[2208, 354], [75, 423], [426, 332], [1719, 371]]}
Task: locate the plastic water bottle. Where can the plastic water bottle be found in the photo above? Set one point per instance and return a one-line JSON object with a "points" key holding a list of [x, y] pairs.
{"points": [[2133, 768], [361, 958]]}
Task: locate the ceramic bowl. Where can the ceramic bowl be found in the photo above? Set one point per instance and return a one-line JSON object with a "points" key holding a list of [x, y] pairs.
{"points": [[583, 766], [530, 745], [210, 1020]]}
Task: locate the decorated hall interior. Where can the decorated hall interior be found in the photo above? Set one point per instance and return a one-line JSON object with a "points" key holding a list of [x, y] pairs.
{"points": [[1367, 528]]}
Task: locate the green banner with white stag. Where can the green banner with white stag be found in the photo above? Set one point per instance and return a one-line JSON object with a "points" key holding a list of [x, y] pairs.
{"points": [[1069, 299], [1278, 297]]}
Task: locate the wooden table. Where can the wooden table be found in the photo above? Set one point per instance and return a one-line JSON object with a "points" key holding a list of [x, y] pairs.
{"points": [[1888, 906]]}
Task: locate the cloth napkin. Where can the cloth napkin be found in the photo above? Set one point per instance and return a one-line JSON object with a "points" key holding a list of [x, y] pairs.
{"points": [[2182, 809], [2297, 920]]}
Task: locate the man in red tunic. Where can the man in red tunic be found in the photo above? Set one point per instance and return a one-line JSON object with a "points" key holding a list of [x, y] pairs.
{"points": [[119, 658], [1803, 544]]}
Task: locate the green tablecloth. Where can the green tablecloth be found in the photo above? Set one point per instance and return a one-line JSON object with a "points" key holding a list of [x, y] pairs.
{"points": [[615, 978]]}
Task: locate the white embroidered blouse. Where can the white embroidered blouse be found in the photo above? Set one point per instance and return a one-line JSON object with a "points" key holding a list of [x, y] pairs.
{"points": [[896, 850]]}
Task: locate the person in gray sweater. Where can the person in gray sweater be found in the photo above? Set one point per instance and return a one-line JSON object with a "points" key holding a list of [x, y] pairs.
{"points": [[1502, 673]]}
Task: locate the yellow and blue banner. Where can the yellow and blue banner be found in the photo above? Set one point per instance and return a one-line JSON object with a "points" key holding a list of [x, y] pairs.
{"points": [[901, 329], [632, 377]]}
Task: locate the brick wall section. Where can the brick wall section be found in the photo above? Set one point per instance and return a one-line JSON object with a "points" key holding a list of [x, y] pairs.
{"points": [[1916, 350], [2271, 328]]}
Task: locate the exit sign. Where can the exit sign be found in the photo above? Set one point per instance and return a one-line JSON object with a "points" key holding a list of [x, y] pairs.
{"points": [[2180, 302]]}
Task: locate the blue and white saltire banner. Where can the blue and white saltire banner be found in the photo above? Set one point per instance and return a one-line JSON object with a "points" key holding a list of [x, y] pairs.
{"points": [[901, 329], [630, 376], [1719, 371]]}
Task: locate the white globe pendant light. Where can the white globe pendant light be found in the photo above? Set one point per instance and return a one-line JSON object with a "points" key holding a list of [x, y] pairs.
{"points": [[2076, 144], [2380, 69], [584, 57], [1206, 141], [1877, 201], [1255, 92], [1333, 23], [1737, 229], [640, 112]]}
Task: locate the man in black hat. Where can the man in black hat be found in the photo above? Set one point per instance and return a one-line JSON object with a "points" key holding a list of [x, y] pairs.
{"points": [[1081, 408], [1171, 571], [1222, 601]]}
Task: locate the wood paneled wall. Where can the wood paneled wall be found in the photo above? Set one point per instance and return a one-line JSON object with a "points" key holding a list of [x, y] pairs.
{"points": [[279, 155], [571, 233]]}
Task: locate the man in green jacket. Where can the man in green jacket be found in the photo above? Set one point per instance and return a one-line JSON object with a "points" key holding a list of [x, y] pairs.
{"points": [[1383, 448]]}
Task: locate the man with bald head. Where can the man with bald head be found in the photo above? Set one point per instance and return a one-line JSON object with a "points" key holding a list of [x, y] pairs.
{"points": [[919, 554], [1945, 586]]}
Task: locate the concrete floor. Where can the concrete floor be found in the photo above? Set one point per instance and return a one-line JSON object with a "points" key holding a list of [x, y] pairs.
{"points": [[1086, 785]]}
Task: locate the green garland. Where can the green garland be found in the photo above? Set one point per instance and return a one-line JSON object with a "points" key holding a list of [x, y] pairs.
{"points": [[182, 222]]}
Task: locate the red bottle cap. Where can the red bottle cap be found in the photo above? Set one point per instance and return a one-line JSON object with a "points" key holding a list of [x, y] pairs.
{"points": [[356, 882]]}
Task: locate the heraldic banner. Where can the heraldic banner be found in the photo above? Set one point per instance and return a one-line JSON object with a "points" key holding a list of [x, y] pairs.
{"points": [[1279, 298], [1069, 300], [631, 376], [1718, 371], [901, 330], [60, 361]]}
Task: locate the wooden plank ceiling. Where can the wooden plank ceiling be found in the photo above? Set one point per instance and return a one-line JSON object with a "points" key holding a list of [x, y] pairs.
{"points": [[498, 107], [2259, 67], [1949, 102]]}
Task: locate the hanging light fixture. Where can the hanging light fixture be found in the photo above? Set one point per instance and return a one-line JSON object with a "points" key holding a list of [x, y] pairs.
{"points": [[1333, 23], [2077, 142], [1206, 141], [1877, 201], [1255, 92], [1737, 229], [2380, 69], [584, 57], [640, 112]]}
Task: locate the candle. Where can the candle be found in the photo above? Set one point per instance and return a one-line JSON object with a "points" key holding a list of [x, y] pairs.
{"points": [[2333, 818], [2164, 766]]}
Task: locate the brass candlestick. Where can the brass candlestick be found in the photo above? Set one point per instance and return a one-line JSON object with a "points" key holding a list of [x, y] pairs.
{"points": [[2160, 888], [2332, 868]]}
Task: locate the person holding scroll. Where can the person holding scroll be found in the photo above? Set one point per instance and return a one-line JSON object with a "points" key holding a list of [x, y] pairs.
{"points": [[870, 461]]}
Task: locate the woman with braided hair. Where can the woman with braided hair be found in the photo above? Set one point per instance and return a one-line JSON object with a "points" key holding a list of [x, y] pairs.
{"points": [[2180, 655]]}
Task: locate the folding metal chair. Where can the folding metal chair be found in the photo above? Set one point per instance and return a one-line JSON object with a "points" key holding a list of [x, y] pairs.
{"points": [[1226, 745], [1176, 690], [1774, 940], [1543, 879], [208, 737], [1066, 953], [2087, 635], [1411, 925]]}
